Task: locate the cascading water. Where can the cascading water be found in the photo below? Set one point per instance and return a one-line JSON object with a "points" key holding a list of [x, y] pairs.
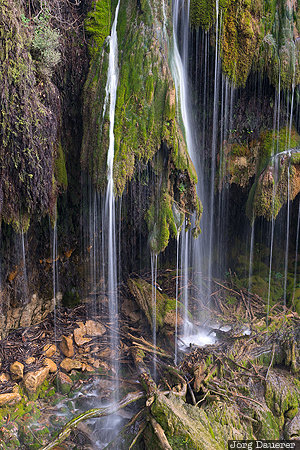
{"points": [[55, 273], [214, 152], [287, 234], [154, 302], [251, 254], [109, 220], [179, 71], [184, 288], [176, 295], [24, 267]]}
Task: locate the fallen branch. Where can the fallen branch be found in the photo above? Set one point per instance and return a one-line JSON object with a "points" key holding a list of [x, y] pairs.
{"points": [[139, 433], [271, 363], [160, 434]]}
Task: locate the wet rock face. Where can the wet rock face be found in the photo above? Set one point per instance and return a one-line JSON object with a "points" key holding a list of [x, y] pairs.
{"points": [[23, 316]]}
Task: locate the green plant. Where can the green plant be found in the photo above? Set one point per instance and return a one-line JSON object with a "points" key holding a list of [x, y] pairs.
{"points": [[45, 44]]}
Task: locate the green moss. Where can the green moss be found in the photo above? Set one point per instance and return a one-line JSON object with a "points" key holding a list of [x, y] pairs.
{"points": [[161, 224], [267, 197], [28, 125], [282, 399], [97, 24], [202, 13], [254, 35]]}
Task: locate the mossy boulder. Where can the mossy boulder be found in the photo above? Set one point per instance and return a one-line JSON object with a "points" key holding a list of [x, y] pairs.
{"points": [[256, 158], [28, 120], [282, 395], [254, 36], [144, 294], [146, 122]]}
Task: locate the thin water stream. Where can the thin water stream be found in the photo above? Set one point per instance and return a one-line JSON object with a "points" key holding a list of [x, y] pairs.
{"points": [[109, 216]]}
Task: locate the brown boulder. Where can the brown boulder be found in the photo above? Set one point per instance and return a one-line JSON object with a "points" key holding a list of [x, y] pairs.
{"points": [[10, 399], [64, 382], [67, 346], [78, 336], [49, 350], [4, 378], [69, 364], [33, 380], [17, 370], [94, 328], [51, 364], [30, 360]]}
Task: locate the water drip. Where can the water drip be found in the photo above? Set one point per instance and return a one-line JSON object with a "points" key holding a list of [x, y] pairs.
{"points": [[287, 236], [214, 150], [185, 278], [109, 220], [177, 285], [251, 255], [154, 302], [55, 273], [25, 279]]}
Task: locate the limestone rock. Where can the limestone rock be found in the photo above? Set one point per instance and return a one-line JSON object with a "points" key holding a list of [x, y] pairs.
{"points": [[17, 370], [33, 380], [96, 364], [10, 399], [64, 382], [67, 346], [78, 336], [94, 328], [130, 309], [87, 368], [69, 364], [51, 364], [292, 429], [49, 350], [4, 378], [36, 310], [30, 360]]}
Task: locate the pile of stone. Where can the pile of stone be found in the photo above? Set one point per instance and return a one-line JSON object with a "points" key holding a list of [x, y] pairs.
{"points": [[82, 350]]}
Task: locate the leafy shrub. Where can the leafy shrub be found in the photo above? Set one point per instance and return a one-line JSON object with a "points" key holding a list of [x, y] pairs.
{"points": [[45, 44]]}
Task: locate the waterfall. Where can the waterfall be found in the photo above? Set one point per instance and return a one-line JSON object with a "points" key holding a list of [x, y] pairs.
{"points": [[25, 278], [154, 304], [179, 72], [176, 295], [109, 220], [251, 254], [214, 151], [185, 280], [287, 235], [179, 68], [55, 272]]}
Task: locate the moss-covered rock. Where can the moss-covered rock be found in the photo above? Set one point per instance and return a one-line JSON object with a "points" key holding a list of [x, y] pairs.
{"points": [[282, 396], [143, 294], [146, 128], [254, 35], [257, 157], [28, 118]]}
